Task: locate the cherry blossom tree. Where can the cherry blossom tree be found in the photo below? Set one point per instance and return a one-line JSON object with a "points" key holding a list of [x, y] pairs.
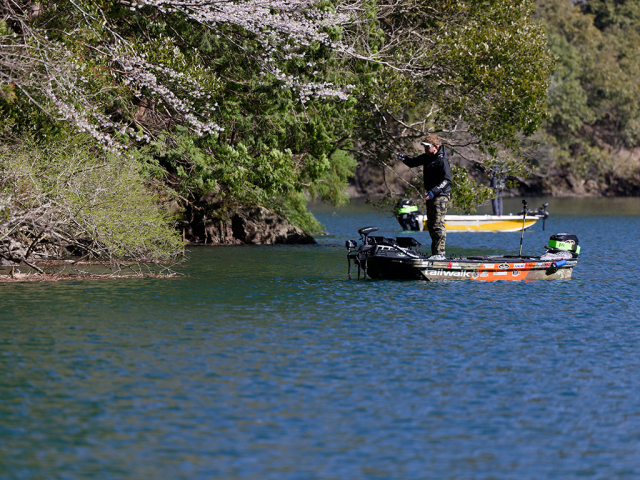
{"points": [[73, 74]]}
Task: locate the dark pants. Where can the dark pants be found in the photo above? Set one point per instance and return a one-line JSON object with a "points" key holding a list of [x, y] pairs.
{"points": [[436, 210]]}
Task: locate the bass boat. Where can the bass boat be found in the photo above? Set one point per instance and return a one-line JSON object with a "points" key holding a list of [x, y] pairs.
{"points": [[400, 259], [411, 219]]}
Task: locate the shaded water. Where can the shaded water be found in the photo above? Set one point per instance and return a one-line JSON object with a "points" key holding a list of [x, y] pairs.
{"points": [[266, 363]]}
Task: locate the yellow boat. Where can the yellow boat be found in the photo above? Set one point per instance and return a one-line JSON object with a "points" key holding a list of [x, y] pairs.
{"points": [[411, 219], [488, 223]]}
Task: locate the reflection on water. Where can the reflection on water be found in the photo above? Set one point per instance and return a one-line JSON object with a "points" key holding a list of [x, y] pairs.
{"points": [[266, 363]]}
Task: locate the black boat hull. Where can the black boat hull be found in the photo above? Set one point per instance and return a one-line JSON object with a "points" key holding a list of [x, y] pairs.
{"points": [[490, 268]]}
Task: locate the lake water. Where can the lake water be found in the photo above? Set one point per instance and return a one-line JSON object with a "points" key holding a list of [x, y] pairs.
{"points": [[267, 363]]}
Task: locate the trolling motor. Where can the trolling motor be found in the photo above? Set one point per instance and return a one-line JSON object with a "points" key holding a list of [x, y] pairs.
{"points": [[373, 247], [408, 215], [540, 212], [360, 256]]}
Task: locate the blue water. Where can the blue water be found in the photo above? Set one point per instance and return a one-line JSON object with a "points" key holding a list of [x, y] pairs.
{"points": [[267, 363]]}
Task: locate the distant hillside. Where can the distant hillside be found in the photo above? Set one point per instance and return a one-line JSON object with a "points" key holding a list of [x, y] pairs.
{"points": [[591, 143]]}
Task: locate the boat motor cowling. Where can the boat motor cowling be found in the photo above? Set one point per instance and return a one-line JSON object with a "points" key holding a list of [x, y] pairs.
{"points": [[564, 241], [407, 215], [405, 205]]}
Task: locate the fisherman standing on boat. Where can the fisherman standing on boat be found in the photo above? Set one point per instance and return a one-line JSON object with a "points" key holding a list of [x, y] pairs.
{"points": [[437, 184]]}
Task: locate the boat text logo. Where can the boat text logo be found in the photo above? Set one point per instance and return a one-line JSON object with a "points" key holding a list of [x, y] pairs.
{"points": [[449, 273]]}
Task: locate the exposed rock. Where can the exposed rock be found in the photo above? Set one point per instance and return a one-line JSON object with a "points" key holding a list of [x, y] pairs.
{"points": [[218, 232], [257, 226], [262, 226], [560, 184]]}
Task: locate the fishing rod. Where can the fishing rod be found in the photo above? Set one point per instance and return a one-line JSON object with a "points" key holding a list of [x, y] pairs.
{"points": [[394, 155], [524, 217]]}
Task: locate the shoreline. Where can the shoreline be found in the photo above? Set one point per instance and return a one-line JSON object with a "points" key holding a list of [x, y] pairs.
{"points": [[52, 277], [37, 277], [54, 270]]}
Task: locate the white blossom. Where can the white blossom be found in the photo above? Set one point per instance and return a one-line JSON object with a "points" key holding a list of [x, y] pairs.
{"points": [[282, 29]]}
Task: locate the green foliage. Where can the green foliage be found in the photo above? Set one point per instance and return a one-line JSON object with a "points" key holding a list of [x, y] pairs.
{"points": [[331, 183], [485, 63], [253, 175], [294, 208], [271, 145], [466, 194], [77, 195], [7, 91], [500, 65]]}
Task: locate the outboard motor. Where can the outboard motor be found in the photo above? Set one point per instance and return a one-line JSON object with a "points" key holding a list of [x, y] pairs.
{"points": [[564, 242], [407, 214], [562, 247]]}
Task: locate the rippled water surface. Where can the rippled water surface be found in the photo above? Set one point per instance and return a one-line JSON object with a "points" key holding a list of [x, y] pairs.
{"points": [[267, 363]]}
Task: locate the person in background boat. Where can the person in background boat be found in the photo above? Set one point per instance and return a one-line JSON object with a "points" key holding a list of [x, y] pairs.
{"points": [[497, 176], [437, 185]]}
